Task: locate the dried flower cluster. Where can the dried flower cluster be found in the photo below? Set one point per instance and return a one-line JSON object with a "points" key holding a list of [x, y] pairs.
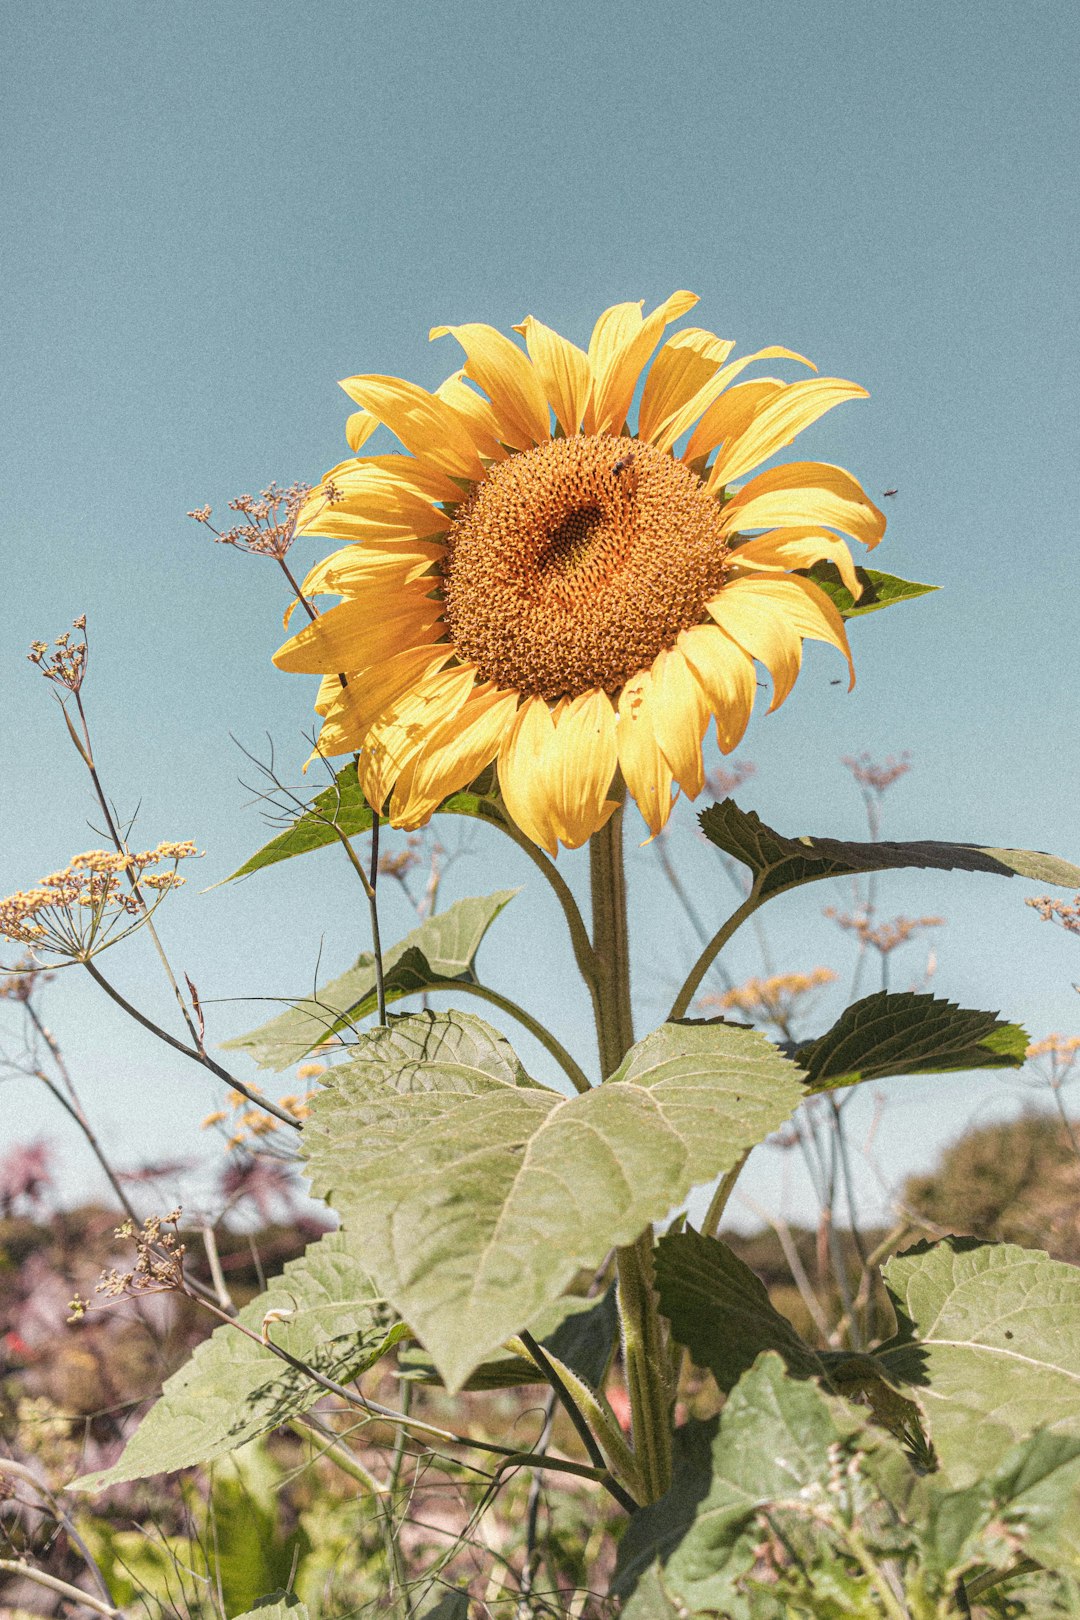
{"points": [[22, 980], [65, 665], [877, 778], [158, 1268], [1064, 912], [270, 525], [884, 937], [773, 1000], [90, 903]]}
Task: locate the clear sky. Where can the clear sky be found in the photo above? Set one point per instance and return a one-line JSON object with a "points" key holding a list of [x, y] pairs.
{"points": [[213, 212]]}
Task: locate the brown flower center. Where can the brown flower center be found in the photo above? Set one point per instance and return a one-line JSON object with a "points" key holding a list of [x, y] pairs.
{"points": [[572, 565]]}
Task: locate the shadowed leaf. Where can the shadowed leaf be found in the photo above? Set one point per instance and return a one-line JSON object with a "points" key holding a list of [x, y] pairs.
{"points": [[475, 1199], [582, 1333], [780, 863], [905, 1033]]}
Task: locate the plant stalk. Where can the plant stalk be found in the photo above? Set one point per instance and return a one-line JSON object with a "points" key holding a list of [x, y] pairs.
{"points": [[644, 1349]]}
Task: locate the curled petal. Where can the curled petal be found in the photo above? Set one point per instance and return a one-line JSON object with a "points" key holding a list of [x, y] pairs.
{"points": [[391, 743], [507, 377], [563, 370], [684, 364], [785, 549], [645, 770], [728, 416], [769, 619], [364, 568], [478, 413], [453, 755], [361, 632], [529, 738], [680, 718], [805, 493], [619, 350], [780, 421], [425, 424], [579, 765], [359, 428], [704, 439], [726, 676]]}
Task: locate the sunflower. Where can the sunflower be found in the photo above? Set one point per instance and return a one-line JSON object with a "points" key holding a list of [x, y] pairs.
{"points": [[564, 597]]}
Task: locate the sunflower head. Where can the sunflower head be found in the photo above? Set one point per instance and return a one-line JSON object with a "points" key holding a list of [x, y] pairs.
{"points": [[527, 582]]}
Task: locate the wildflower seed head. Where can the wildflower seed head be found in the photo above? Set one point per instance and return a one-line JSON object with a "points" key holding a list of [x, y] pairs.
{"points": [[92, 902], [65, 665], [271, 520]]}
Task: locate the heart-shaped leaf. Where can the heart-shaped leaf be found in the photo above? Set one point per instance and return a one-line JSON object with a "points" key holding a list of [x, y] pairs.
{"points": [[475, 1197]]}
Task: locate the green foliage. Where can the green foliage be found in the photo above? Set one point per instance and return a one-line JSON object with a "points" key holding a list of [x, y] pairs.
{"points": [[989, 1342], [436, 955], [277, 1606], [793, 1503], [475, 1195], [879, 590], [234, 1388], [340, 809], [905, 1033], [780, 863], [582, 1333]]}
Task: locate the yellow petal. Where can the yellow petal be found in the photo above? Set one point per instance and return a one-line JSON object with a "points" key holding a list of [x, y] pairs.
{"points": [[354, 635], [805, 493], [396, 475], [785, 549], [685, 363], [359, 428], [726, 676], [703, 440], [372, 692], [477, 412], [680, 718], [770, 617], [391, 743], [563, 370], [780, 420], [360, 568], [454, 755], [425, 425], [727, 417], [619, 356], [507, 377], [519, 777], [645, 770], [577, 766]]}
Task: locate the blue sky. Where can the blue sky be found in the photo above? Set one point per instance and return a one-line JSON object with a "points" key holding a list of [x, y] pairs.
{"points": [[215, 212]]}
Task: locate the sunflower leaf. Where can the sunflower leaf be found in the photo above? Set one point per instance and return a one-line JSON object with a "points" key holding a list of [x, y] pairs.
{"points": [[234, 1388], [780, 863], [879, 590], [437, 955], [279, 1605], [905, 1033], [989, 1342], [475, 1195], [341, 808], [582, 1333]]}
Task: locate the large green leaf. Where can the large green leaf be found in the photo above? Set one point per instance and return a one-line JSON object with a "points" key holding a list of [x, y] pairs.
{"points": [[341, 808], [905, 1033], [436, 955], [989, 1340], [475, 1196], [721, 1312], [780, 863], [233, 1388], [879, 590]]}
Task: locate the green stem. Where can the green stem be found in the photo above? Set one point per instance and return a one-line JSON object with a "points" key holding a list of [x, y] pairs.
{"points": [[718, 1203], [562, 1057], [711, 952], [584, 955], [644, 1351]]}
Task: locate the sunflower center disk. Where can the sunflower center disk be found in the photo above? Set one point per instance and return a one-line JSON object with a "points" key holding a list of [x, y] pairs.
{"points": [[572, 565]]}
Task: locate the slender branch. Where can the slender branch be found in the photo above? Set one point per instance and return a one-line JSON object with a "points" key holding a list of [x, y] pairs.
{"points": [[532, 1514], [696, 922], [309, 1424], [9, 1466], [217, 1276], [197, 1055], [76, 1113], [585, 1434], [576, 1075], [712, 950], [994, 1577], [85, 1599], [719, 1200]]}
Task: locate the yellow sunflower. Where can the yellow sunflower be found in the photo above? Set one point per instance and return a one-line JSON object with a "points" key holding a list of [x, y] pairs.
{"points": [[569, 599]]}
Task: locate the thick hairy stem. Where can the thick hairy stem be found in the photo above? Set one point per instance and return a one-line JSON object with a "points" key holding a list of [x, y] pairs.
{"points": [[644, 1348]]}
